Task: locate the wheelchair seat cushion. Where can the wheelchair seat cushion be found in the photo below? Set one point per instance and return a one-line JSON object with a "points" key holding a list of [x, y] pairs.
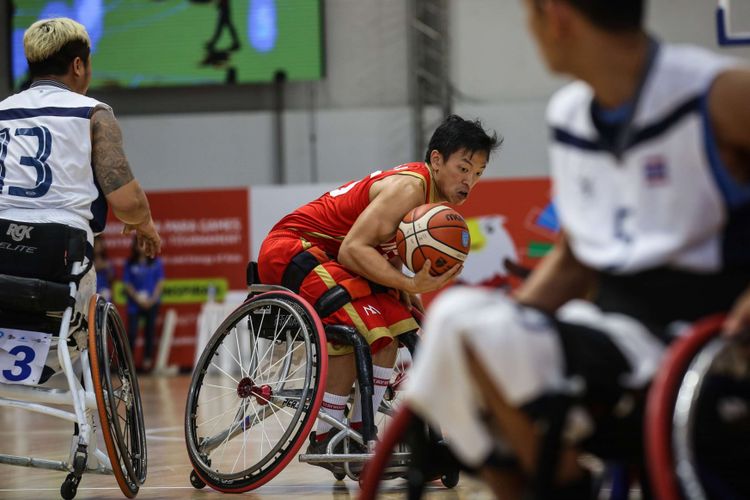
{"points": [[44, 251]]}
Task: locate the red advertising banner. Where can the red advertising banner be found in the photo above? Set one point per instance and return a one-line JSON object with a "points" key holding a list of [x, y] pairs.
{"points": [[205, 250], [509, 221]]}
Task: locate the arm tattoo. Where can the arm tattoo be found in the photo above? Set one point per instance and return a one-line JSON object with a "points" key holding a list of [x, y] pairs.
{"points": [[111, 167]]}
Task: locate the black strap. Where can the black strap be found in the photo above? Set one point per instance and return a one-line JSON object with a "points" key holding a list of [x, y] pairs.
{"points": [[300, 266], [332, 300]]}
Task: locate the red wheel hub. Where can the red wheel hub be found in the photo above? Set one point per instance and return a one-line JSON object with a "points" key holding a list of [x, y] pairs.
{"points": [[246, 388]]}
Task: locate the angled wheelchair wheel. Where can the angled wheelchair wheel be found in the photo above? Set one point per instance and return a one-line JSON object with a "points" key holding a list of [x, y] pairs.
{"points": [[392, 440], [118, 396], [255, 392], [698, 417]]}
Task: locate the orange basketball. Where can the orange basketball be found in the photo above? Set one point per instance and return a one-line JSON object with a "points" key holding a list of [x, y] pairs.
{"points": [[435, 232]]}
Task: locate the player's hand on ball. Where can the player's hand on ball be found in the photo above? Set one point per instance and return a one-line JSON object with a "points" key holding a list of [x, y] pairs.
{"points": [[424, 282]]}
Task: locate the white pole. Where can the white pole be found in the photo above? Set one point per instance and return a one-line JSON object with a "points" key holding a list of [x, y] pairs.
{"points": [[165, 344]]}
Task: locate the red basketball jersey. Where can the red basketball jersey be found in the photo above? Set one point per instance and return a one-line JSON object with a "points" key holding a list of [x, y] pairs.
{"points": [[327, 220]]}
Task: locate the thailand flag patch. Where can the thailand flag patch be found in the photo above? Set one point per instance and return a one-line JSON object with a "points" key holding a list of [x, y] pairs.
{"points": [[655, 171]]}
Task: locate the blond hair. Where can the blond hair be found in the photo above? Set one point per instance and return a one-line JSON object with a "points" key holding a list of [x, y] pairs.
{"points": [[47, 37]]}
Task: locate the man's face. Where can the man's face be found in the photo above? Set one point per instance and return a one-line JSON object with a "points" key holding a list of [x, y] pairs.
{"points": [[456, 176]]}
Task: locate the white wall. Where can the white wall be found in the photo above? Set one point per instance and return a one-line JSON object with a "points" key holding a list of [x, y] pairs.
{"points": [[357, 119]]}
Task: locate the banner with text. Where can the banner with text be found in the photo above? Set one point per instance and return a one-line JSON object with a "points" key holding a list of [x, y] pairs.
{"points": [[205, 236]]}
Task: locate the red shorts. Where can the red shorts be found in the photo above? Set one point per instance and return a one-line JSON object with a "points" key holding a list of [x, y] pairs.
{"points": [[379, 317]]}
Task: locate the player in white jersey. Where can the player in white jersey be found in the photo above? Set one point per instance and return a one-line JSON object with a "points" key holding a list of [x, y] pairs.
{"points": [[61, 154], [650, 161]]}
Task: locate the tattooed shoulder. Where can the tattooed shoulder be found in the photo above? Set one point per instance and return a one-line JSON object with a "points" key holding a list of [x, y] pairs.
{"points": [[107, 155]]}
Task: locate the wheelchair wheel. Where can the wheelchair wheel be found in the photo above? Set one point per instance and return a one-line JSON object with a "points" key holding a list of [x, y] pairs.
{"points": [[698, 417], [255, 392], [118, 396]]}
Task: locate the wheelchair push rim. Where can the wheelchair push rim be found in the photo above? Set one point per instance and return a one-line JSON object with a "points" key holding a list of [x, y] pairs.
{"points": [[256, 390], [121, 416]]}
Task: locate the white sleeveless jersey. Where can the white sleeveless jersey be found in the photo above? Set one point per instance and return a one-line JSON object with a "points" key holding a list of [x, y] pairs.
{"points": [[667, 201], [45, 158]]}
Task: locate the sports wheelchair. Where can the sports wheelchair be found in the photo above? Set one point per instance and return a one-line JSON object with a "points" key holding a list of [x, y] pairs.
{"points": [[40, 275], [258, 386], [696, 438]]}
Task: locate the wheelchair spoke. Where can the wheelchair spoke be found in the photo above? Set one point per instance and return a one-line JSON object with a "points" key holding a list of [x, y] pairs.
{"points": [[234, 426], [225, 373], [244, 440], [239, 353], [232, 389], [283, 358], [242, 371], [214, 417], [233, 393]]}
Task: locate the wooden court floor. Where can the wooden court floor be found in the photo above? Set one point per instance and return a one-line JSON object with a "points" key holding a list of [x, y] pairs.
{"points": [[26, 433]]}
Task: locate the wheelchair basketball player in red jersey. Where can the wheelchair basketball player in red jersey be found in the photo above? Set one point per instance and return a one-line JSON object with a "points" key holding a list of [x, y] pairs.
{"points": [[338, 252]]}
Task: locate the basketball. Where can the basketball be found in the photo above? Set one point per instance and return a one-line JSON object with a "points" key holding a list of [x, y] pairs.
{"points": [[435, 232]]}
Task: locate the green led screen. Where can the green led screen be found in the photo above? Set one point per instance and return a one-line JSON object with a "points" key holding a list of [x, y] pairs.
{"points": [[147, 43]]}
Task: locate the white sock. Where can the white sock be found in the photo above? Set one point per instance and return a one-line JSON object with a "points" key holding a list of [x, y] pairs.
{"points": [[332, 405], [381, 376]]}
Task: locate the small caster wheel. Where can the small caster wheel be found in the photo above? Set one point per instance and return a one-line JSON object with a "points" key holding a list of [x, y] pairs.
{"points": [[450, 479], [196, 481], [69, 488], [339, 476]]}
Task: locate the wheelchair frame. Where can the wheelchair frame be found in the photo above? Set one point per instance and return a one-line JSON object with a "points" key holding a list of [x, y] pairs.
{"points": [[201, 475], [85, 454]]}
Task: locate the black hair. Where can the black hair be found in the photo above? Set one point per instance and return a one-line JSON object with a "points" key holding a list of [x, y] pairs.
{"points": [[614, 15], [59, 62], [455, 134]]}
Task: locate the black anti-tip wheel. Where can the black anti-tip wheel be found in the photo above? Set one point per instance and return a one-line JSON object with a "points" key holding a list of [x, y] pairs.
{"points": [[69, 487], [450, 479], [196, 481]]}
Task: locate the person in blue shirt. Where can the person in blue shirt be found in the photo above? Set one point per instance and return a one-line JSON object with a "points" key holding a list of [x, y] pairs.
{"points": [[143, 279]]}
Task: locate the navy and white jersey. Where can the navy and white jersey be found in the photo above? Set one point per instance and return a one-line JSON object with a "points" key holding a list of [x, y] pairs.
{"points": [[659, 197], [45, 158]]}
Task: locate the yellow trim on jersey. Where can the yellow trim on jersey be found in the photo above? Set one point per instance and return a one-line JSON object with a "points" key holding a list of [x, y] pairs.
{"points": [[369, 335], [324, 236], [403, 326], [324, 275], [432, 196], [413, 174]]}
